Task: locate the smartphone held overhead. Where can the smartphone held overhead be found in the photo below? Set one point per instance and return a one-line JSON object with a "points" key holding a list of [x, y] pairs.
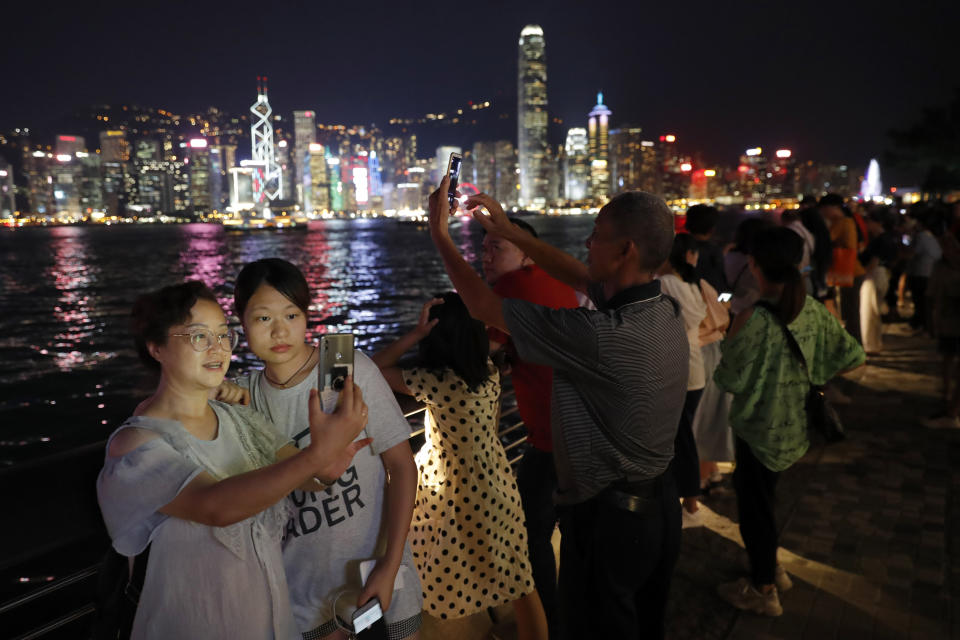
{"points": [[453, 170]]}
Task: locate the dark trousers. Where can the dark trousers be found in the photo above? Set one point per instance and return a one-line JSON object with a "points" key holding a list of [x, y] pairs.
{"points": [[918, 291], [685, 465], [536, 482], [850, 307], [616, 565], [891, 297], [755, 486]]}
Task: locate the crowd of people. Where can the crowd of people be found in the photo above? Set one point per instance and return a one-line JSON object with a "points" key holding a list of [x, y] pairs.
{"points": [[272, 507]]}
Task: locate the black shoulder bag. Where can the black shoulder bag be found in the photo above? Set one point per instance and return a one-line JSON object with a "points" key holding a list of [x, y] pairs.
{"points": [[118, 594], [822, 418]]}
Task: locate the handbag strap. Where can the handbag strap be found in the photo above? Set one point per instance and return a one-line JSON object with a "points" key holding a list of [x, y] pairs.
{"points": [[792, 343], [733, 287]]}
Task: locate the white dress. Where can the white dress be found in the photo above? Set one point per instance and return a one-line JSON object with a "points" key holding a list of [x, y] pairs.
{"points": [[201, 581]]}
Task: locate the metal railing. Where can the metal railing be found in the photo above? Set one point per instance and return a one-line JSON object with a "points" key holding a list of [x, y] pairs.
{"points": [[514, 426]]}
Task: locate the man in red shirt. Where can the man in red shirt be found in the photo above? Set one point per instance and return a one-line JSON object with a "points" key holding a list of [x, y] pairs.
{"points": [[513, 275]]}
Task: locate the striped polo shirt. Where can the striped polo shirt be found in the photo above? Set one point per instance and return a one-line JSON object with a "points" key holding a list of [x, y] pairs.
{"points": [[620, 373]]}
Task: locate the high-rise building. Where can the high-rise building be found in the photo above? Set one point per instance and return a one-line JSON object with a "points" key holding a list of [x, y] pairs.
{"points": [[576, 165], [633, 162], [495, 171], [319, 194], [286, 170], [66, 187], [68, 145], [7, 202], [90, 187], [304, 134], [114, 146], [153, 180], [508, 186], [598, 127], [532, 117], [200, 165], [36, 165], [753, 174], [781, 175], [485, 167]]}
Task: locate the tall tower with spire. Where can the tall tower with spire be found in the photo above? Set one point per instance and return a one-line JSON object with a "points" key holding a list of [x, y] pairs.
{"points": [[598, 127], [267, 180], [532, 118]]}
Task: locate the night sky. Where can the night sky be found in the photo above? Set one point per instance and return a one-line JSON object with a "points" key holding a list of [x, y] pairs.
{"points": [[826, 78]]}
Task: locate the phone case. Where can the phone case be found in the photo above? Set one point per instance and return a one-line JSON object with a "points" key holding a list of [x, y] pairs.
{"points": [[336, 360]]}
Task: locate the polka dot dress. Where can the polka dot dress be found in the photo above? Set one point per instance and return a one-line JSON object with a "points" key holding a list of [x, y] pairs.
{"points": [[468, 537]]}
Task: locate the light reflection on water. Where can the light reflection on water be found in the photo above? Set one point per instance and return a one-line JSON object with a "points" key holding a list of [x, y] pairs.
{"points": [[68, 371]]}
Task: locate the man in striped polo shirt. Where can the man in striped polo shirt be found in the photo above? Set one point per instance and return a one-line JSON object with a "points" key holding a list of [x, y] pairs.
{"points": [[620, 377]]}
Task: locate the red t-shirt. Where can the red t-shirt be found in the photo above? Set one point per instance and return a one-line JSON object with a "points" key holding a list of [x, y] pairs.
{"points": [[532, 382]]}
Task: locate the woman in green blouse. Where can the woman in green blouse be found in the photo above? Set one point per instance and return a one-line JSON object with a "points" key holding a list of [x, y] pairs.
{"points": [[769, 387]]}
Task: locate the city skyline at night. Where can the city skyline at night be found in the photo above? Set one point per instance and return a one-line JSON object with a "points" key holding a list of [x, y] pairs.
{"points": [[823, 79]]}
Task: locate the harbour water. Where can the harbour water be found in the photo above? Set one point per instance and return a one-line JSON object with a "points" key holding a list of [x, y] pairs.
{"points": [[68, 371]]}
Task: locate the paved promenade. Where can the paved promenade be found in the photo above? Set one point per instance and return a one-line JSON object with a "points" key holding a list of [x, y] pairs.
{"points": [[869, 527]]}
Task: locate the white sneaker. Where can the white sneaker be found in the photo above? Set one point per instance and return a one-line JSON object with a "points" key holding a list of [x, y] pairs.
{"points": [[743, 595], [782, 579], [780, 576], [943, 422]]}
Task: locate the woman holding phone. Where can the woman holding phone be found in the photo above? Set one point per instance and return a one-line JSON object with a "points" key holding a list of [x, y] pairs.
{"points": [[203, 484], [362, 518]]}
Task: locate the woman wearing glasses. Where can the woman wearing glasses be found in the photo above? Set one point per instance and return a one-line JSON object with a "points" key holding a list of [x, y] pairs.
{"points": [[202, 483]]}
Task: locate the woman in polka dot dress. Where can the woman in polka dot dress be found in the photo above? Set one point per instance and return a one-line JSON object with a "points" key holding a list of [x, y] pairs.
{"points": [[468, 535]]}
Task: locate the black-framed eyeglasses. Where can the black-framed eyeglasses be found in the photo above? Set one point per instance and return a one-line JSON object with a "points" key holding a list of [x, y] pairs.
{"points": [[202, 339]]}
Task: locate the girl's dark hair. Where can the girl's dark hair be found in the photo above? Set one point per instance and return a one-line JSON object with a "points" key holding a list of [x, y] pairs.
{"points": [[283, 276], [682, 243], [777, 251], [822, 257], [746, 232], [154, 313], [457, 342], [702, 218]]}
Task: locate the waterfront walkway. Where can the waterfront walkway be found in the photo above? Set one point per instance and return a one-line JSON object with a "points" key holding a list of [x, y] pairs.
{"points": [[869, 527]]}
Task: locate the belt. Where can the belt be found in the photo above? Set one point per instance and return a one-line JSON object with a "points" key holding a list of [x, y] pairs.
{"points": [[636, 496], [625, 501]]}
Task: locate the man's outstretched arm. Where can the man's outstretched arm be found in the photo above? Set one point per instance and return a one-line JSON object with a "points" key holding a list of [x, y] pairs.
{"points": [[558, 264], [481, 301]]}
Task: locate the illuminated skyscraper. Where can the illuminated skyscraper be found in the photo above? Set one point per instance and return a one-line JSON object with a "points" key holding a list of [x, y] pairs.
{"points": [[599, 150], [633, 162], [201, 200], [319, 180], [269, 183], [485, 167], [532, 117], [576, 165], [7, 202], [495, 171], [304, 134], [69, 145], [114, 146]]}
